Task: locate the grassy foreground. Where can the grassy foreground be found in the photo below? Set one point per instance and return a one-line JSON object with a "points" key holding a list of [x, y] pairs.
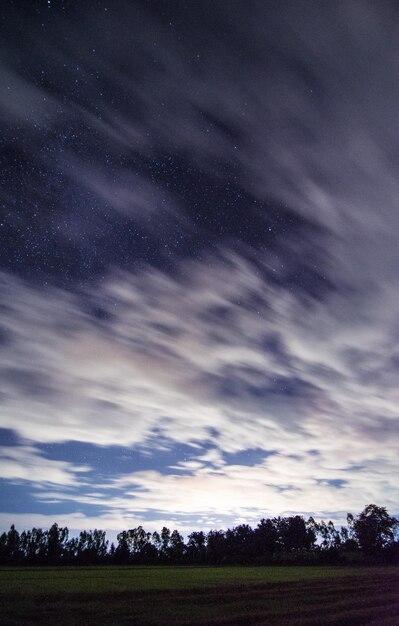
{"points": [[200, 595]]}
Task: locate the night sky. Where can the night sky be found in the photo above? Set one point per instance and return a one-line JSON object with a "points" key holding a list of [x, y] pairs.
{"points": [[199, 261]]}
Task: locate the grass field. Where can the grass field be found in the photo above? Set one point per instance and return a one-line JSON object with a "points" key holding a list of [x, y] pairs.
{"points": [[200, 595]]}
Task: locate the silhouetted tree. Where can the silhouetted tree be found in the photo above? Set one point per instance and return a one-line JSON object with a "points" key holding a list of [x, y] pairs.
{"points": [[34, 545], [294, 534], [122, 552], [165, 542], [330, 536], [196, 547], [240, 544], [57, 538], [266, 538], [156, 541], [176, 546], [281, 539], [111, 554], [135, 545], [216, 546], [373, 528], [10, 547], [138, 539], [91, 547]]}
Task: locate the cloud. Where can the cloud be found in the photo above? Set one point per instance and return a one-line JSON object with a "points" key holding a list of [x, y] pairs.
{"points": [[26, 463], [306, 483], [111, 522], [288, 347], [23, 102], [130, 195], [282, 483], [216, 354], [303, 111]]}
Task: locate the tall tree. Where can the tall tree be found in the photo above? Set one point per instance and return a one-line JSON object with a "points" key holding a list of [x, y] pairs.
{"points": [[57, 538], [10, 547], [373, 528], [91, 547], [34, 545], [165, 542], [122, 552], [265, 539], [196, 546], [176, 547], [216, 546]]}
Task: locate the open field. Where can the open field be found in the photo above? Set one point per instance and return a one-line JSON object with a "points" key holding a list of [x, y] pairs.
{"points": [[200, 595]]}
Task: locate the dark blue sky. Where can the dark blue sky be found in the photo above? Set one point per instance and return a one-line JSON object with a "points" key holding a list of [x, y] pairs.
{"points": [[199, 261]]}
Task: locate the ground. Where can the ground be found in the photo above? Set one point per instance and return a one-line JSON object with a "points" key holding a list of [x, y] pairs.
{"points": [[200, 595]]}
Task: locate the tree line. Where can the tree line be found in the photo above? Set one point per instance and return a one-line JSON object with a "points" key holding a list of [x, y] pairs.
{"points": [[371, 535]]}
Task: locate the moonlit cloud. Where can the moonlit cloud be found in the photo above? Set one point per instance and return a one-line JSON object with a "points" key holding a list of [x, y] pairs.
{"points": [[162, 361], [147, 313], [27, 464]]}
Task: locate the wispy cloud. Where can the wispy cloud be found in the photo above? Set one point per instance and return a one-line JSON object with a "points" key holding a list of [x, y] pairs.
{"points": [[26, 463], [221, 357], [289, 346]]}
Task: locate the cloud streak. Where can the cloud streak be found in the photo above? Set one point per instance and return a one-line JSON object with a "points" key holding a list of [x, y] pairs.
{"points": [[181, 323], [222, 357], [25, 463]]}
